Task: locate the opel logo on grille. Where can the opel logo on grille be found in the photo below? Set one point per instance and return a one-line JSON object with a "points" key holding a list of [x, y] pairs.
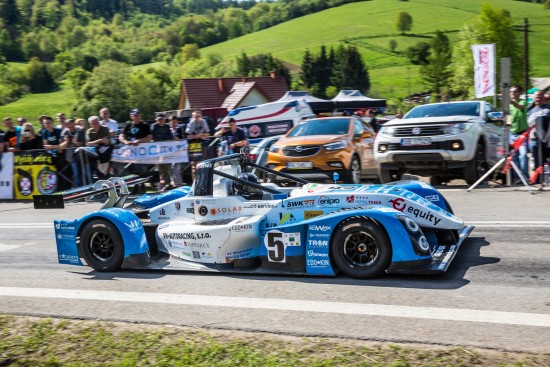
{"points": [[416, 131], [299, 149]]}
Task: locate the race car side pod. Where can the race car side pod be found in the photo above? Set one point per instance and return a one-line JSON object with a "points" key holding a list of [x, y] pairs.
{"points": [[57, 201]]}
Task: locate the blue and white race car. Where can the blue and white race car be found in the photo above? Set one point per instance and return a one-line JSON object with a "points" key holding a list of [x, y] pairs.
{"points": [[227, 221]]}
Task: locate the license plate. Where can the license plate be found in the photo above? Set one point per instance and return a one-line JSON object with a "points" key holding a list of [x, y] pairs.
{"points": [[299, 165], [416, 141]]}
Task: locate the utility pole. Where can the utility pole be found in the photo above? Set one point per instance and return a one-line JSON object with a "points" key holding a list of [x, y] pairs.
{"points": [[526, 56]]}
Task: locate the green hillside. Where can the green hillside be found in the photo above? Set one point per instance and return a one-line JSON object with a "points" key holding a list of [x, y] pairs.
{"points": [[370, 26]]}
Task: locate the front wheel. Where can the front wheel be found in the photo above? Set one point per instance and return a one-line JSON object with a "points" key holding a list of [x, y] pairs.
{"points": [[388, 175], [101, 246], [475, 168], [354, 172], [360, 249]]}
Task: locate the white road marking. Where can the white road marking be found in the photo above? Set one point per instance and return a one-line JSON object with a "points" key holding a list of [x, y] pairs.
{"points": [[8, 247], [27, 225], [433, 313]]}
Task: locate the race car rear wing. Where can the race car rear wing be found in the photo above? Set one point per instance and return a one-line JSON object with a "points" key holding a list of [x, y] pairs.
{"points": [[115, 187]]}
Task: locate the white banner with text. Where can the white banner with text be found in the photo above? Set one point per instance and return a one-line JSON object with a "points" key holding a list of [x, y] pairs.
{"points": [[6, 175], [153, 153], [484, 70]]}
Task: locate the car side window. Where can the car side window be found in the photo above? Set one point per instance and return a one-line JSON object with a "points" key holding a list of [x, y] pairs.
{"points": [[357, 127], [488, 108]]}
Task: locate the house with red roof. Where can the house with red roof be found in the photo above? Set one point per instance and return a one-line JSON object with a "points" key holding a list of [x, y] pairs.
{"points": [[230, 93]]}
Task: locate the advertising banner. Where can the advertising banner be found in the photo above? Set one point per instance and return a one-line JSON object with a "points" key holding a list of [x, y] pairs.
{"points": [[153, 153], [6, 175], [484, 70], [34, 174]]}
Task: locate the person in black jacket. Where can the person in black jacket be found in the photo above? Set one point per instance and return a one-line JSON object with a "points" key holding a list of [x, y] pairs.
{"points": [[29, 140]]}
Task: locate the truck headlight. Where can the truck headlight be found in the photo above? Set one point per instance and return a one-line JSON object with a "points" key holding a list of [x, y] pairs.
{"points": [[454, 129], [335, 146], [386, 131]]}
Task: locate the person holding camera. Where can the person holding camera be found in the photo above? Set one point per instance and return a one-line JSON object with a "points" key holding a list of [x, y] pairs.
{"points": [[29, 140], [233, 138]]}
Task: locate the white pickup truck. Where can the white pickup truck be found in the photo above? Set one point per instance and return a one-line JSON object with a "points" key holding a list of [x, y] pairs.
{"points": [[441, 140]]}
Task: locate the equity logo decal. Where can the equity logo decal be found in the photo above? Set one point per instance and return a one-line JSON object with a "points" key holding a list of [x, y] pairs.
{"points": [[398, 204]]}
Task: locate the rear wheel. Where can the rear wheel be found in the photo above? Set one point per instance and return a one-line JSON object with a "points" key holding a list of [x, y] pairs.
{"points": [[360, 249], [101, 245], [354, 172], [475, 168], [388, 175]]}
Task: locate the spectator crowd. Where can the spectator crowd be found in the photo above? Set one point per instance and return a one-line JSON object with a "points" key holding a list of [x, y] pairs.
{"points": [[64, 137]]}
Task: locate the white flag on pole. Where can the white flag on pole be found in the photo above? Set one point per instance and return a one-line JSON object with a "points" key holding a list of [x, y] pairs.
{"points": [[484, 70]]}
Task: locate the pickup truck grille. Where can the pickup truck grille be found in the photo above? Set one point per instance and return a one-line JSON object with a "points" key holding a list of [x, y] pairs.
{"points": [[301, 150], [425, 130], [434, 145]]}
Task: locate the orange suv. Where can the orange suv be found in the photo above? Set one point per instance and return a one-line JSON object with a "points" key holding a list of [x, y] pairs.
{"points": [[318, 147]]}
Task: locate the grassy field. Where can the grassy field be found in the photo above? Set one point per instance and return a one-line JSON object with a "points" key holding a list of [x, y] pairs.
{"points": [[370, 25], [31, 341], [33, 105]]}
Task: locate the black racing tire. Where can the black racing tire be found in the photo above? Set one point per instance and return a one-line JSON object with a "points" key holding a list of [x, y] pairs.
{"points": [[388, 175], [477, 167], [360, 249], [354, 171], [101, 245], [436, 180]]}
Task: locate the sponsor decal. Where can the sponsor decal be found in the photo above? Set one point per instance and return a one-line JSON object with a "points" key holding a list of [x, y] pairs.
{"points": [[185, 236], [317, 243], [241, 227], [326, 201], [308, 214], [315, 262], [312, 253], [429, 217], [259, 206], [196, 255], [177, 205], [164, 225], [433, 197], [226, 210], [69, 258], [300, 203], [238, 254], [162, 211], [133, 225], [196, 244], [186, 254], [447, 257], [203, 210], [286, 218], [350, 199], [271, 225], [323, 228], [398, 204], [175, 244], [190, 210]]}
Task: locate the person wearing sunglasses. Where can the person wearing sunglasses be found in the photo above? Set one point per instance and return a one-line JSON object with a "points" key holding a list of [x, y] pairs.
{"points": [[29, 140]]}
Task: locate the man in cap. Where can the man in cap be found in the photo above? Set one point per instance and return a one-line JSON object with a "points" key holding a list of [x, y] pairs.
{"points": [[137, 131]]}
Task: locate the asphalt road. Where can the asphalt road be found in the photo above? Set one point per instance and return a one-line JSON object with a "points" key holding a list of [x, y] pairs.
{"points": [[495, 295]]}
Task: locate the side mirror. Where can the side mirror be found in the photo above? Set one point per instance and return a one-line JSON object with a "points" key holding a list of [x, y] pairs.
{"points": [[366, 134], [495, 116]]}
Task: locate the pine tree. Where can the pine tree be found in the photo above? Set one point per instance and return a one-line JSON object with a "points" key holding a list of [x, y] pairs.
{"points": [[306, 74]]}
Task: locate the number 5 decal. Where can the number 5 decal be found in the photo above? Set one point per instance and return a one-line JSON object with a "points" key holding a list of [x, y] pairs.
{"points": [[275, 247]]}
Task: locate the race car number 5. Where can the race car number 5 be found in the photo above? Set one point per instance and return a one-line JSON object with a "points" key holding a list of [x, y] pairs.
{"points": [[276, 243]]}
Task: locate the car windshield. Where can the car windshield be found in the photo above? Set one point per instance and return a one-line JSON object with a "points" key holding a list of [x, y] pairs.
{"points": [[445, 109], [338, 126]]}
